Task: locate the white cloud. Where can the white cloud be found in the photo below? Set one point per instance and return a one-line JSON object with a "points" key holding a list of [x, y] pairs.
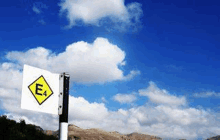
{"points": [[86, 63], [10, 76], [159, 96], [104, 100], [184, 116], [83, 110], [206, 94], [124, 98], [131, 75], [163, 120], [38, 6], [123, 112], [45, 121], [166, 119], [94, 11], [36, 10]]}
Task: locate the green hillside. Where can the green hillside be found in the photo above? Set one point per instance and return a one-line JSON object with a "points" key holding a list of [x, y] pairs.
{"points": [[11, 130]]}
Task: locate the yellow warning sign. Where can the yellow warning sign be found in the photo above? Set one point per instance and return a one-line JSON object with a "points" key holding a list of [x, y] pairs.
{"points": [[40, 90]]}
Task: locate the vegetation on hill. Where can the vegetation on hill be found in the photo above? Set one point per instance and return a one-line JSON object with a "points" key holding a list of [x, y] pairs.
{"points": [[11, 130]]}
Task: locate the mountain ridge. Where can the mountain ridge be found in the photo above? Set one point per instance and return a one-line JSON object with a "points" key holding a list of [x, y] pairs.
{"points": [[77, 133]]}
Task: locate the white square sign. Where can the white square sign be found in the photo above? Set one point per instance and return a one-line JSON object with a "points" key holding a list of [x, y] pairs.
{"points": [[40, 90]]}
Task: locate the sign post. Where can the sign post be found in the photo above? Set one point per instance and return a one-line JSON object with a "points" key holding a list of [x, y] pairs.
{"points": [[63, 118], [47, 92]]}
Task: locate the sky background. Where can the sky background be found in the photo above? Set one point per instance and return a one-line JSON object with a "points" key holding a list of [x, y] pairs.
{"points": [[135, 66]]}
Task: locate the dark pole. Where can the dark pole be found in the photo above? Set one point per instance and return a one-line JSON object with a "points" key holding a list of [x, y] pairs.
{"points": [[63, 118]]}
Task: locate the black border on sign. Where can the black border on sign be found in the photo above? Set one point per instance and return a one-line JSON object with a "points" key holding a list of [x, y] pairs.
{"points": [[48, 86]]}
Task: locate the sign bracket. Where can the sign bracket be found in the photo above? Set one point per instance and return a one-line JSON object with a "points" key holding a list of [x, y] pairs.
{"points": [[60, 104]]}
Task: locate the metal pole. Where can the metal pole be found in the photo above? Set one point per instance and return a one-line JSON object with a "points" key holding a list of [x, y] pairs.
{"points": [[63, 118]]}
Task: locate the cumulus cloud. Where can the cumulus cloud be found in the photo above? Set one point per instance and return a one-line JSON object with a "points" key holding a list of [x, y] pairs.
{"points": [[124, 98], [169, 118], [11, 76], [163, 120], [97, 62], [161, 96], [94, 11], [85, 110]]}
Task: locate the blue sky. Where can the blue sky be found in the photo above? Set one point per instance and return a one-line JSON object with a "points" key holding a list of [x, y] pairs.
{"points": [[169, 49]]}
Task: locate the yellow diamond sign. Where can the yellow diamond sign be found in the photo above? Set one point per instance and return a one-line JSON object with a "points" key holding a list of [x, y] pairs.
{"points": [[40, 90]]}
